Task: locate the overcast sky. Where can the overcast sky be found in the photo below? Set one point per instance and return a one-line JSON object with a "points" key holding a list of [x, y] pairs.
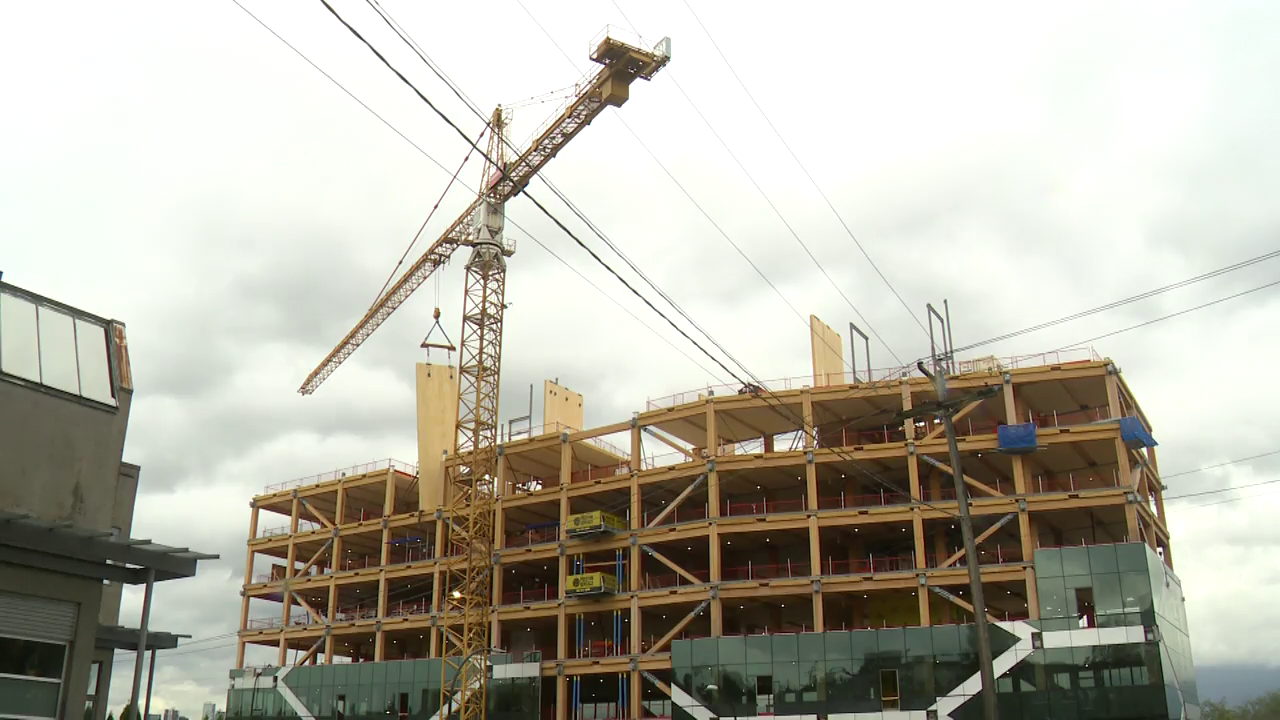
{"points": [[176, 167]]}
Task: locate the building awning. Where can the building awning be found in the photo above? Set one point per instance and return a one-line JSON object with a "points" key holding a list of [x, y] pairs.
{"points": [[114, 637], [62, 547]]}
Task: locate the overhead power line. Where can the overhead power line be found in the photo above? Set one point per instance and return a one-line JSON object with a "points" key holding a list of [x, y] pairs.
{"points": [[805, 170], [408, 40], [768, 200], [778, 406], [445, 169], [1218, 465], [1167, 498], [705, 214], [1223, 502], [448, 121], [1124, 301], [1170, 316]]}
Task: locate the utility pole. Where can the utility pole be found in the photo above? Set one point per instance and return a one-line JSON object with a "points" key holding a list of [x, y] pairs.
{"points": [[985, 659], [945, 407]]}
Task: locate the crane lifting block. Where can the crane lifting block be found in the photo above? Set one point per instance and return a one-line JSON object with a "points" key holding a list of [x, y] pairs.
{"points": [[591, 523], [595, 583]]}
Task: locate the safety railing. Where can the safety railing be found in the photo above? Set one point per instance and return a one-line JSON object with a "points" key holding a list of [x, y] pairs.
{"points": [[850, 500], [686, 512], [525, 596], [401, 554], [1070, 417], [602, 648], [409, 609], [1073, 482], [869, 565], [277, 530], [848, 437], [533, 536], [355, 613], [997, 555], [403, 468], [671, 580], [763, 507], [268, 623], [990, 364], [769, 571], [601, 472], [667, 459]]}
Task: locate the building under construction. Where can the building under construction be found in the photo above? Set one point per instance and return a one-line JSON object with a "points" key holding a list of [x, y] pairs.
{"points": [[789, 550], [785, 548]]}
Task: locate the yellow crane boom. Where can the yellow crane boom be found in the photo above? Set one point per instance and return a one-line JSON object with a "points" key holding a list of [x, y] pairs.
{"points": [[622, 63]]}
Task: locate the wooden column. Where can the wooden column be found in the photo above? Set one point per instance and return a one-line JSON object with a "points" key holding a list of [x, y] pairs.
{"points": [[333, 612], [566, 462], [562, 697], [248, 578], [717, 607], [562, 629], [815, 568], [806, 413], [380, 635]]}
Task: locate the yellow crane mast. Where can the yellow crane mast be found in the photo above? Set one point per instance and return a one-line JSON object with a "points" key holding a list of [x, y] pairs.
{"points": [[471, 484]]}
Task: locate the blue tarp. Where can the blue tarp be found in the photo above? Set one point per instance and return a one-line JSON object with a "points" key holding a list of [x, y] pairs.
{"points": [[1134, 434], [1016, 439]]}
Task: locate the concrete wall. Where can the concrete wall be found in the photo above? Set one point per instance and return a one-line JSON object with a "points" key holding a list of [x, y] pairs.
{"points": [[87, 594], [60, 458], [121, 517]]}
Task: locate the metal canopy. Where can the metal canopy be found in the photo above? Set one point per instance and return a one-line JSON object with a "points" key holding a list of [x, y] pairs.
{"points": [[61, 547], [115, 637]]}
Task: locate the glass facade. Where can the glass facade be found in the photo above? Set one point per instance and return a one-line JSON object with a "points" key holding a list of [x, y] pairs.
{"points": [[359, 691], [1111, 643]]}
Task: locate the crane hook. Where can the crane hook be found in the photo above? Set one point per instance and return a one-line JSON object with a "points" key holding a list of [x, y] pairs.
{"points": [[447, 345]]}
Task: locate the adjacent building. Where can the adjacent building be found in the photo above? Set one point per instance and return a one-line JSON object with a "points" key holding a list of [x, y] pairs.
{"points": [[66, 509], [745, 552]]}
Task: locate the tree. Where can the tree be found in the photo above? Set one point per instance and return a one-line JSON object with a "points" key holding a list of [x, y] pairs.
{"points": [[111, 716], [130, 712], [1210, 710]]}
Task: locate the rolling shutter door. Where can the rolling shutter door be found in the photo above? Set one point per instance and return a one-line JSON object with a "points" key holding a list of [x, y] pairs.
{"points": [[37, 618]]}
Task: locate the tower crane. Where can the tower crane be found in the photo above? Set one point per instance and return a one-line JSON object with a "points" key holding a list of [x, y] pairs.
{"points": [[471, 484]]}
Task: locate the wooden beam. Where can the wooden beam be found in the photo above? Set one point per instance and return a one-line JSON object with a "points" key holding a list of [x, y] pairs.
{"points": [[314, 558], [306, 606], [663, 559], [656, 682], [679, 499], [318, 515], [662, 641], [314, 649], [968, 480], [944, 594], [942, 426], [978, 540], [668, 442]]}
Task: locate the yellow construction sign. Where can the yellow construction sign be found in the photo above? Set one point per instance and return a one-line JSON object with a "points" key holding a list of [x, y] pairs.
{"points": [[591, 584], [594, 522]]}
